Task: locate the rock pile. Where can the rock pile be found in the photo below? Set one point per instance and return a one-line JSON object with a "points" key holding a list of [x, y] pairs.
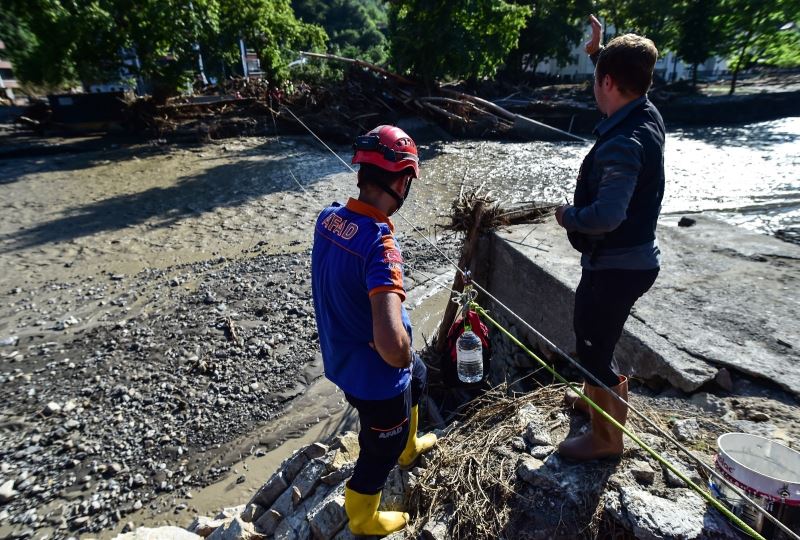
{"points": [[122, 391], [303, 499], [105, 417], [529, 491]]}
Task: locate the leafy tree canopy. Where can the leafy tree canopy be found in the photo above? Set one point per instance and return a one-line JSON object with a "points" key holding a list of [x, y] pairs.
{"points": [[762, 32], [63, 41], [453, 39], [271, 28], [697, 36], [551, 32], [355, 28], [651, 18]]}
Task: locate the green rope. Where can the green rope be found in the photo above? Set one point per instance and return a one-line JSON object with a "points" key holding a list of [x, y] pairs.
{"points": [[703, 493]]}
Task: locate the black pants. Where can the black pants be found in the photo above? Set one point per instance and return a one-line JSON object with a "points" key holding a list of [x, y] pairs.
{"points": [[603, 301], [384, 431]]}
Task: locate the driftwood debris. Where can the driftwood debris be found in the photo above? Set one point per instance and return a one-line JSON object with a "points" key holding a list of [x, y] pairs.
{"points": [[337, 111], [470, 242], [461, 114], [231, 332], [360, 63], [474, 214]]}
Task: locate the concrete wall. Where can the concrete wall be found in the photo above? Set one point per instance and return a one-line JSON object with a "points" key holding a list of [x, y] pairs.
{"points": [[726, 297]]}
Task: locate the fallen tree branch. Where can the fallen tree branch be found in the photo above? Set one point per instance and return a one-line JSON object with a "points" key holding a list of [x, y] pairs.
{"points": [[443, 112], [360, 63]]}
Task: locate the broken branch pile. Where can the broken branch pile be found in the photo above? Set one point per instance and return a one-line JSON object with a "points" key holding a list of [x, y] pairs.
{"points": [[368, 95]]}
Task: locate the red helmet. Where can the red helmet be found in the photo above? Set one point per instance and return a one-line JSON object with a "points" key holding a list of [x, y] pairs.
{"points": [[387, 147]]}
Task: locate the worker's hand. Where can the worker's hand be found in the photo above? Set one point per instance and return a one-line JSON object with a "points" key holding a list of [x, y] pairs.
{"points": [[593, 45], [560, 213]]}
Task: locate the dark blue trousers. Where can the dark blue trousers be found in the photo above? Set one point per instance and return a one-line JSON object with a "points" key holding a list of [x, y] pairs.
{"points": [[603, 301], [384, 431]]}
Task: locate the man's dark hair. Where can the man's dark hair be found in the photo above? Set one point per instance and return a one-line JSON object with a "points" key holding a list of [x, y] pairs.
{"points": [[372, 174], [629, 60]]}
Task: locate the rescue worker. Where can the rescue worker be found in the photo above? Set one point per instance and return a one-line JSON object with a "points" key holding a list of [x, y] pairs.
{"points": [[613, 224], [364, 330]]}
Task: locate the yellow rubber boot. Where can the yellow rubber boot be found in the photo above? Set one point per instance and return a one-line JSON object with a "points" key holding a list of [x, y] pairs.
{"points": [[365, 520], [415, 445]]}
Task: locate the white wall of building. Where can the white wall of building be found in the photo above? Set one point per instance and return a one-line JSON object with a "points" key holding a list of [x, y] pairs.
{"points": [[668, 66]]}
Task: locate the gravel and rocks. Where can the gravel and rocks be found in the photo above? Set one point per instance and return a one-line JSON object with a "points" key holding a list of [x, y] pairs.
{"points": [[158, 374], [148, 382], [547, 498]]}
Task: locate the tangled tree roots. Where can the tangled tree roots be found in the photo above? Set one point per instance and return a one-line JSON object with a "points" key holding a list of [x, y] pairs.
{"points": [[468, 477], [495, 214]]}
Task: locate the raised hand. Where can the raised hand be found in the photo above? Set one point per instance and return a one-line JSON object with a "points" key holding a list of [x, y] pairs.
{"points": [[593, 45]]}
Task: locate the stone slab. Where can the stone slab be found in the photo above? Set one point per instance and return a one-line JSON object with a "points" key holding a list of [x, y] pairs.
{"points": [[726, 297]]}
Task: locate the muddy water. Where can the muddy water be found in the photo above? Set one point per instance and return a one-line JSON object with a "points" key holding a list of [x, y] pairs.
{"points": [[748, 175], [124, 209]]}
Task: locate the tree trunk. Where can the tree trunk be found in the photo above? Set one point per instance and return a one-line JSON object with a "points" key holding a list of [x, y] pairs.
{"points": [[733, 80], [694, 78], [470, 242], [515, 66], [533, 61], [742, 54], [674, 75]]}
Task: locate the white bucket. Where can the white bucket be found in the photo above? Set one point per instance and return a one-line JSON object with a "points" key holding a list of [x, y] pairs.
{"points": [[769, 473]]}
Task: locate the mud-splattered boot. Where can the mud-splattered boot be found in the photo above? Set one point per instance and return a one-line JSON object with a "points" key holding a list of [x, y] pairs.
{"points": [[365, 520], [603, 439]]}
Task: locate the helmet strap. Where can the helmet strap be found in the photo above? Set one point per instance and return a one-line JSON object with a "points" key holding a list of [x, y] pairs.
{"points": [[388, 189]]}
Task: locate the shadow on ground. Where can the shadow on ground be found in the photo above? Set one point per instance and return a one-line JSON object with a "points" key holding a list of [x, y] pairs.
{"points": [[228, 185]]}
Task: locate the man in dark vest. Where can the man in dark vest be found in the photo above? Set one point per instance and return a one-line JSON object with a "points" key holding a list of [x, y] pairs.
{"points": [[613, 224]]}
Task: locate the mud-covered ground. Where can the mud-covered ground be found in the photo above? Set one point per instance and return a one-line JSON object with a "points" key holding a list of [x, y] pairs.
{"points": [[156, 308], [155, 299], [151, 374]]}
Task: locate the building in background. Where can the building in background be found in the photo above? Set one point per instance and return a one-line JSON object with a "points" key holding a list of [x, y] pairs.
{"points": [[251, 65], [7, 81], [669, 67], [127, 81]]}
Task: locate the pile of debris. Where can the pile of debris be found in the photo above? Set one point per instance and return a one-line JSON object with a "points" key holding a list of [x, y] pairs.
{"points": [[367, 96], [493, 475]]}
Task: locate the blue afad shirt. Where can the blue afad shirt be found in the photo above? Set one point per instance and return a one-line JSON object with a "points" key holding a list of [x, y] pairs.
{"points": [[355, 256]]}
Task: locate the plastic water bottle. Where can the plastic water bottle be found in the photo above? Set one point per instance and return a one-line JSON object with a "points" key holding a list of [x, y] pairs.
{"points": [[469, 357]]}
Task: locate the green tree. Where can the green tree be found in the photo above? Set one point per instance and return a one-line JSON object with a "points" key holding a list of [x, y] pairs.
{"points": [[654, 19], [552, 31], [164, 36], [453, 39], [43, 35], [65, 41], [271, 28], [651, 18], [698, 33], [753, 33], [354, 27], [784, 50]]}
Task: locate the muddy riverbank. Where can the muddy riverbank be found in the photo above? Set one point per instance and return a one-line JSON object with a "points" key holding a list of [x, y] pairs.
{"points": [[122, 388], [155, 307], [156, 317]]}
